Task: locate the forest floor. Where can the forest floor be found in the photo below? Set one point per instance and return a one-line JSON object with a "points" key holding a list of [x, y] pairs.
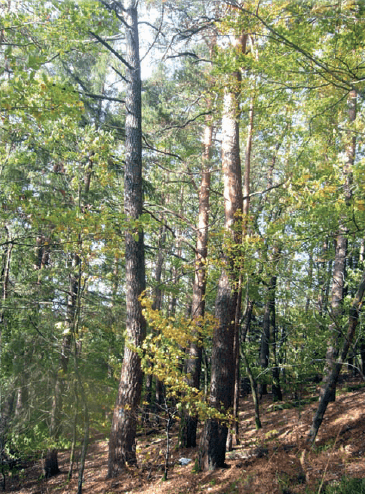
{"points": [[274, 460]]}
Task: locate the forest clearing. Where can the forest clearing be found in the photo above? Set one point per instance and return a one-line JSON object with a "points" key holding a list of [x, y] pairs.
{"points": [[274, 460], [182, 222]]}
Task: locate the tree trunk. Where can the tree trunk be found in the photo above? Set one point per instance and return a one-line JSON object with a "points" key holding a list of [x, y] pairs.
{"points": [[123, 431], [51, 463], [336, 368], [193, 365], [339, 268], [214, 436], [338, 283]]}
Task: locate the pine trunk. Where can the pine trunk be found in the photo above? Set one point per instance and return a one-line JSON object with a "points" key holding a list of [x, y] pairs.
{"points": [[214, 436], [123, 431]]}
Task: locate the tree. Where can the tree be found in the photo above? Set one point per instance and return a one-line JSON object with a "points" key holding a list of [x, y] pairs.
{"points": [[123, 432], [214, 436]]}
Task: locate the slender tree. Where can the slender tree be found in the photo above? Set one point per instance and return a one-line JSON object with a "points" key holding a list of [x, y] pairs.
{"points": [[123, 431]]}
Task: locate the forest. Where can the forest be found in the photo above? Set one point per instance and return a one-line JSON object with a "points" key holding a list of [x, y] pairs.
{"points": [[182, 222]]}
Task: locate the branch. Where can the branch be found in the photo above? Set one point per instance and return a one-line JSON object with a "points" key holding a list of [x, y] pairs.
{"points": [[159, 151], [111, 49], [264, 191], [289, 43], [184, 54], [157, 34], [188, 121], [120, 75]]}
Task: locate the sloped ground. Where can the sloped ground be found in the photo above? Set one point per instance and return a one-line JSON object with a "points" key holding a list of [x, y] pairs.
{"points": [[274, 460]]}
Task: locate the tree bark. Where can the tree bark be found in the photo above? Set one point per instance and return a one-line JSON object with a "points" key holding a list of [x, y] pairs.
{"points": [[123, 431], [193, 364], [214, 436], [338, 283], [336, 368], [339, 268]]}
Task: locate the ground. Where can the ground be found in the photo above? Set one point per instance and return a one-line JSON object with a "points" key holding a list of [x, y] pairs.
{"points": [[274, 460]]}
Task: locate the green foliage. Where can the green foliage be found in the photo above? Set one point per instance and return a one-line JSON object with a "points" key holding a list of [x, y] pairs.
{"points": [[347, 485]]}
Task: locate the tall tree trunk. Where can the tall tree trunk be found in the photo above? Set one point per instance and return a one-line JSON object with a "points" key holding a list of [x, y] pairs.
{"points": [[336, 368], [123, 431], [214, 436], [246, 230], [193, 365], [339, 268], [338, 283]]}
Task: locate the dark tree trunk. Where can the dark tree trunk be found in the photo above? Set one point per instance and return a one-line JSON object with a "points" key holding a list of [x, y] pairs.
{"points": [[51, 463], [276, 388], [123, 431], [214, 436]]}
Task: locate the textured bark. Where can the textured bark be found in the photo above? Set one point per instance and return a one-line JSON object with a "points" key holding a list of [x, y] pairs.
{"points": [[339, 267], [214, 436], [338, 283], [123, 431], [336, 368], [193, 364]]}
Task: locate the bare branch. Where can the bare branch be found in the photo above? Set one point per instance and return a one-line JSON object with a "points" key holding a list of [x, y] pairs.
{"points": [[111, 49]]}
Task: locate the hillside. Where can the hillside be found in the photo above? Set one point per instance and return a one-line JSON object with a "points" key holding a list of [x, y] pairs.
{"points": [[274, 460]]}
